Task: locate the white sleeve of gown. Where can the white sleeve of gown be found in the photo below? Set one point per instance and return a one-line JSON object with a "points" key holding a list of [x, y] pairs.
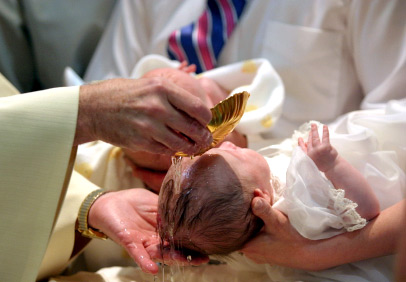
{"points": [[370, 140], [373, 141], [315, 208]]}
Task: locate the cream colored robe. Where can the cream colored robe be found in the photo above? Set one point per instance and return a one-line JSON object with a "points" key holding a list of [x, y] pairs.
{"points": [[37, 132]]}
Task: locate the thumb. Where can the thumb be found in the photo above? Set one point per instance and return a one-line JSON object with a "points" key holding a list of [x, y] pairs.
{"points": [[263, 209]]}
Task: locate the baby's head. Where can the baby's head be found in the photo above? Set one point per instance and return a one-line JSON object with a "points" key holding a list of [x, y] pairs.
{"points": [[211, 210]]}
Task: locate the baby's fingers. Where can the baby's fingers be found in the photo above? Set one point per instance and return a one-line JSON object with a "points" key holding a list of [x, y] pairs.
{"points": [[187, 68], [302, 144], [309, 144], [315, 134], [326, 135]]}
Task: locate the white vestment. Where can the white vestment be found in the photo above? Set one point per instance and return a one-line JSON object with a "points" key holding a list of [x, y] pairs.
{"points": [[37, 131]]}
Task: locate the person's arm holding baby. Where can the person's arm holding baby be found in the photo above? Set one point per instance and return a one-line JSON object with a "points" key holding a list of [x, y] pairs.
{"points": [[341, 173], [279, 243]]}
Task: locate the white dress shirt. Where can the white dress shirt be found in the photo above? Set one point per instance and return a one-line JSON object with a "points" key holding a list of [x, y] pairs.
{"points": [[333, 56]]}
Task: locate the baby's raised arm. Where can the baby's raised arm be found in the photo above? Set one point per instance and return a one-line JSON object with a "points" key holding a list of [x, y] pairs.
{"points": [[341, 173]]}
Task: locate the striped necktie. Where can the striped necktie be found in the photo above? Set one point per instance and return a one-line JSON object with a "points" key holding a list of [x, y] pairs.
{"points": [[201, 42]]}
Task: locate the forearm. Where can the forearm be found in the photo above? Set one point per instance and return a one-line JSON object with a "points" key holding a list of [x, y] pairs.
{"points": [[378, 238], [344, 176], [92, 109], [401, 258]]}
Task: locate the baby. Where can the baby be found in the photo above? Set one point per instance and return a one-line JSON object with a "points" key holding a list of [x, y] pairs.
{"points": [[207, 209], [152, 168]]}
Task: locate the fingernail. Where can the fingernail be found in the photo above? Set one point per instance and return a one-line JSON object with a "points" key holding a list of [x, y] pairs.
{"points": [[208, 137]]}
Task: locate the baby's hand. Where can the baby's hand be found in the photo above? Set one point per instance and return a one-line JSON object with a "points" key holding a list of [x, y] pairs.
{"points": [[322, 153], [184, 66]]}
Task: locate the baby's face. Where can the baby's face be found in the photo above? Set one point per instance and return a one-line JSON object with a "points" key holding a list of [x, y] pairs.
{"points": [[249, 167]]}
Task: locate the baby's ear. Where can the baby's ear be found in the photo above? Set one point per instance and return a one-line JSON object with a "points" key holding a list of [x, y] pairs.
{"points": [[262, 194]]}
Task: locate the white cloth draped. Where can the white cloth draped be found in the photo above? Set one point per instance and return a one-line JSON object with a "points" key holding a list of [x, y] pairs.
{"points": [[315, 208]]}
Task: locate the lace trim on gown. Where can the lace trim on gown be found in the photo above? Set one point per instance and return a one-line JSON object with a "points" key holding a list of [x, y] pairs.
{"points": [[345, 208]]}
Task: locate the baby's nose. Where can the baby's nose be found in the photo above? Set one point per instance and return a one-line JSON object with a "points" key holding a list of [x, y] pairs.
{"points": [[228, 145]]}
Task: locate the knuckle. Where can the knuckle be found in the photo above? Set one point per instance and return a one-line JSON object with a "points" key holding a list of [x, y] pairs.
{"points": [[156, 81], [154, 108], [193, 127], [195, 131], [140, 126], [201, 110], [185, 147], [324, 149], [178, 144], [124, 239], [197, 105], [157, 110], [159, 84]]}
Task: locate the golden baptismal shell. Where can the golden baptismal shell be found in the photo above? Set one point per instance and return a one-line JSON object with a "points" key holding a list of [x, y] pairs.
{"points": [[225, 117]]}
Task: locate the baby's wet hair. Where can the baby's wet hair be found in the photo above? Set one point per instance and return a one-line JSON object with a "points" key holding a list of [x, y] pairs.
{"points": [[211, 214]]}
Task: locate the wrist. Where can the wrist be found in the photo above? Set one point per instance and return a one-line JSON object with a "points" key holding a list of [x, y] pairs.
{"points": [[84, 124], [97, 211], [85, 225], [331, 171]]}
